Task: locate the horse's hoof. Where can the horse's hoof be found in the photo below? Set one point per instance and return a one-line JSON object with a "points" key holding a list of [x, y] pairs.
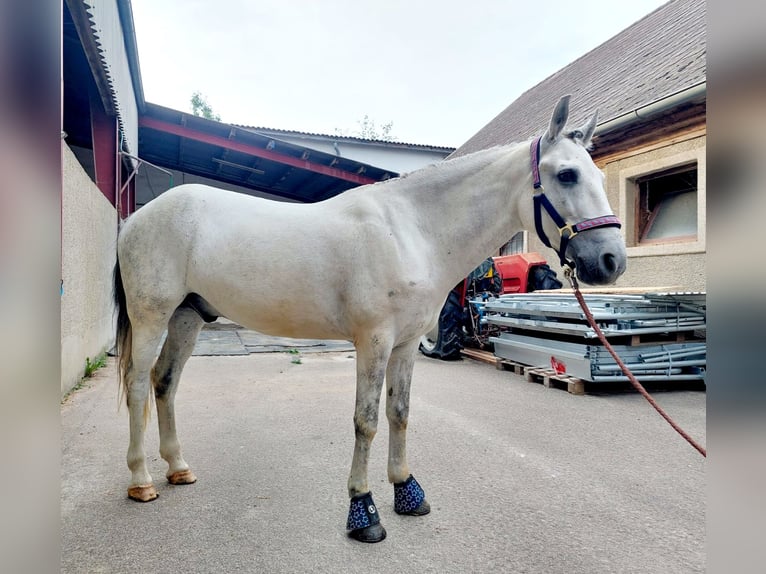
{"points": [[182, 477], [142, 493], [374, 533], [421, 510]]}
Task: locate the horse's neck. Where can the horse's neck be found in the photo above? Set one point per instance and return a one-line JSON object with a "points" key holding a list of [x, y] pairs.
{"points": [[469, 206]]}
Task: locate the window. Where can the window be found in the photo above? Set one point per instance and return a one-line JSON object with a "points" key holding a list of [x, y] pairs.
{"points": [[667, 206], [517, 244], [661, 199]]}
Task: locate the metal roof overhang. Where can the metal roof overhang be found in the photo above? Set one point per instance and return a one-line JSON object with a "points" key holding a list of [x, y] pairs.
{"points": [[222, 152]]}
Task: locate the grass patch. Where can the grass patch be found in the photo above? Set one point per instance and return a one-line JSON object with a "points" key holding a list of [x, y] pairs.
{"points": [[92, 367], [296, 359]]}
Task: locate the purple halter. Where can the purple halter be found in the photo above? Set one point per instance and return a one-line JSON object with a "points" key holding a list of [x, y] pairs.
{"points": [[566, 230]]}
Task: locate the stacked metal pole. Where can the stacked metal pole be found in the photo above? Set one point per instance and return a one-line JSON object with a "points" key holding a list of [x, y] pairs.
{"points": [[664, 333]]}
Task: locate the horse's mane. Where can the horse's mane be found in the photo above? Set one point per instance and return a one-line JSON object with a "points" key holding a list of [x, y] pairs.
{"points": [[442, 169], [473, 161]]}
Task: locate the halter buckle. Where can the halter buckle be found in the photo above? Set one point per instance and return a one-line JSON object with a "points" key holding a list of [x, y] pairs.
{"points": [[569, 230]]}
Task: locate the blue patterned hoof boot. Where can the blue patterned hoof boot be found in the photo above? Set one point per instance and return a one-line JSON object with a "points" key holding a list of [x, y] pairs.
{"points": [[410, 499], [363, 521]]}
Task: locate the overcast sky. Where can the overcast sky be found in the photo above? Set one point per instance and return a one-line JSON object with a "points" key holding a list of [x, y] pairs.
{"points": [[438, 69]]}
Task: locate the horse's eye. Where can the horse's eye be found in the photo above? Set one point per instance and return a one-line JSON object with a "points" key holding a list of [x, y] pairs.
{"points": [[567, 176]]}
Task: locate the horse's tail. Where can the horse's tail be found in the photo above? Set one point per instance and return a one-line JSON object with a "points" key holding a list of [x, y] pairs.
{"points": [[124, 339], [124, 342]]}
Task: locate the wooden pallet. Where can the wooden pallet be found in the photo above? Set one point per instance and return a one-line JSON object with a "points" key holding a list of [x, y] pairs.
{"points": [[547, 376], [550, 378], [513, 366], [576, 386], [479, 355]]}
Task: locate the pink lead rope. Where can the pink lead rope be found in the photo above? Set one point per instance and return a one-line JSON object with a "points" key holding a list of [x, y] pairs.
{"points": [[569, 272]]}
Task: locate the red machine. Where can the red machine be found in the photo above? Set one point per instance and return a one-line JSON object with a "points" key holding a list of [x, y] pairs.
{"points": [[460, 319], [523, 272]]}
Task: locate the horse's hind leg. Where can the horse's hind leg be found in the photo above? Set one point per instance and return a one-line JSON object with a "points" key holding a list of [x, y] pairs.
{"points": [[184, 326], [145, 338], [409, 497]]}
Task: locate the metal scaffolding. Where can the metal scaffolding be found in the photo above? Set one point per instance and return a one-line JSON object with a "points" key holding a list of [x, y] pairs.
{"points": [[545, 330]]}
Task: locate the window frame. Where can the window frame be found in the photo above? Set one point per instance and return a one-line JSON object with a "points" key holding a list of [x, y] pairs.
{"points": [[523, 241], [629, 208], [643, 230]]}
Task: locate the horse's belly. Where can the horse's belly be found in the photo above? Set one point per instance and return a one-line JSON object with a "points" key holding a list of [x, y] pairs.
{"points": [[286, 327], [324, 314], [281, 316]]}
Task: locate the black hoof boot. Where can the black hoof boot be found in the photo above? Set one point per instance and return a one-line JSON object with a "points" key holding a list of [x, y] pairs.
{"points": [[410, 499], [363, 521], [421, 510], [374, 533]]}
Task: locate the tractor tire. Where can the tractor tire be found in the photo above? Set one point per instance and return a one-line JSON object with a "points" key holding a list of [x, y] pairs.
{"points": [[446, 340], [543, 278]]}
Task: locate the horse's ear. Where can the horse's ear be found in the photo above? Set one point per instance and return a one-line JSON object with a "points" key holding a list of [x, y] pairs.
{"points": [[588, 129], [558, 119]]}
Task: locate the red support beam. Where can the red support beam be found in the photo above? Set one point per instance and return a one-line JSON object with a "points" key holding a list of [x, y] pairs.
{"points": [[226, 143], [104, 132]]}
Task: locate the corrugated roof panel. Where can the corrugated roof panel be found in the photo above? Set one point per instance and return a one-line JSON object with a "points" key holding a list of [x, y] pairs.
{"points": [[195, 145], [108, 32]]}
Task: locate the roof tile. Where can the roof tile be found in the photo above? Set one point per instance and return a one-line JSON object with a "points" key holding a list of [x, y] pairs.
{"points": [[661, 54]]}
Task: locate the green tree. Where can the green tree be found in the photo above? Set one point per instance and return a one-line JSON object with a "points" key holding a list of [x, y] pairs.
{"points": [[200, 107], [369, 131]]}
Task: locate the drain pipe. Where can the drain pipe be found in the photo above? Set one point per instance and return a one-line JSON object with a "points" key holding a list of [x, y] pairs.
{"points": [[695, 93]]}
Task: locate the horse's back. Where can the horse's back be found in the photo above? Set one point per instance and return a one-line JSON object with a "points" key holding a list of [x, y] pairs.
{"points": [[196, 217]]}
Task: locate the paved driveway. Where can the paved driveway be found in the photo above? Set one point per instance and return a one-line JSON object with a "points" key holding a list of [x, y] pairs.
{"points": [[520, 478]]}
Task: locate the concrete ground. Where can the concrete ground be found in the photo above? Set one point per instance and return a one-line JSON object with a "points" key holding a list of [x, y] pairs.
{"points": [[521, 478]]}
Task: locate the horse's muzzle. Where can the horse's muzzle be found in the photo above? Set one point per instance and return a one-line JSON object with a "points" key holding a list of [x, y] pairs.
{"points": [[604, 269]]}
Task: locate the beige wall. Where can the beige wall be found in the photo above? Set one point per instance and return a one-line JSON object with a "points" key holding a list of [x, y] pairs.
{"points": [[89, 233], [681, 266]]}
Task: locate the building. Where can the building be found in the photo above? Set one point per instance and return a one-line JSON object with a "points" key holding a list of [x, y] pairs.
{"points": [[119, 152], [648, 84], [391, 155]]}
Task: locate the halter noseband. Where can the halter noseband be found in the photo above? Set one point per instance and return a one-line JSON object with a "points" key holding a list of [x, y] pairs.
{"points": [[566, 230]]}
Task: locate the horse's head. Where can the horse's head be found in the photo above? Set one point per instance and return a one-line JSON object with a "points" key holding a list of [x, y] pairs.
{"points": [[572, 214]]}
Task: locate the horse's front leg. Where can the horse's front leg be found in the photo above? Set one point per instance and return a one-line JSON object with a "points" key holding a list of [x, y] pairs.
{"points": [[372, 355], [409, 497]]}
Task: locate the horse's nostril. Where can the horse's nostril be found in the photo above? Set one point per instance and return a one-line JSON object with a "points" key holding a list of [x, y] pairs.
{"points": [[609, 262]]}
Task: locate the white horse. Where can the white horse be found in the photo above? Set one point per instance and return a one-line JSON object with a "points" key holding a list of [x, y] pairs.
{"points": [[372, 266]]}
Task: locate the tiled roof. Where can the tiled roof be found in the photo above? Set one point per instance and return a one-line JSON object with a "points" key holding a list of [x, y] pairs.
{"points": [[661, 54]]}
